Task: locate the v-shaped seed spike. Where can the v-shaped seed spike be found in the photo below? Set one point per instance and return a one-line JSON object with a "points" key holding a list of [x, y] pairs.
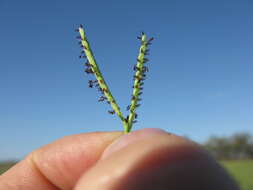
{"points": [[139, 68]]}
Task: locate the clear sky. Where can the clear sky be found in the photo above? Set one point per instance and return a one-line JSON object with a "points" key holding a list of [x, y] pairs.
{"points": [[199, 81]]}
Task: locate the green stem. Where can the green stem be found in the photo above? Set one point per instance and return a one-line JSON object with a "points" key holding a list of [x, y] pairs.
{"points": [[100, 79], [138, 77]]}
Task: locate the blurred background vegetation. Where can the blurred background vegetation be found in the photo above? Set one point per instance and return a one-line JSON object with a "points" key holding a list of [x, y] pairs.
{"points": [[236, 155], [236, 147]]}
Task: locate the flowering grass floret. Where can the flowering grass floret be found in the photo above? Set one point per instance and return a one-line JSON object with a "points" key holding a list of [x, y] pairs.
{"points": [[140, 69]]}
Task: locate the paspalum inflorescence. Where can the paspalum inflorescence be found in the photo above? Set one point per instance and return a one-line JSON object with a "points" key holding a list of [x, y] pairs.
{"points": [[140, 69]]}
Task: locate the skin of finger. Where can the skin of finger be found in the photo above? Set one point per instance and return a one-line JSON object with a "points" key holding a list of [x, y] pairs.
{"points": [[58, 165], [159, 162], [25, 176]]}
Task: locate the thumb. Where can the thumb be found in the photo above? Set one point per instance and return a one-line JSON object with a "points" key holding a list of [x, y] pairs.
{"points": [[153, 159]]}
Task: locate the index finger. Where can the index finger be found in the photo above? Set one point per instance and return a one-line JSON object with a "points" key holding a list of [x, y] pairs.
{"points": [[58, 165]]}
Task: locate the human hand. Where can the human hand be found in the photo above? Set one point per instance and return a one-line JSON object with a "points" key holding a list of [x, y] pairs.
{"points": [[145, 159]]}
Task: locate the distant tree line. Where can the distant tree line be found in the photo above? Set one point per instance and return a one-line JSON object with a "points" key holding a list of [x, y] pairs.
{"points": [[235, 147]]}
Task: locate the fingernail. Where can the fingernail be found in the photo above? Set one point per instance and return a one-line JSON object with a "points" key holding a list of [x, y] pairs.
{"points": [[130, 138]]}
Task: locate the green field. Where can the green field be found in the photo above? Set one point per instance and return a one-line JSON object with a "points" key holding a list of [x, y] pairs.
{"points": [[242, 171], [5, 166]]}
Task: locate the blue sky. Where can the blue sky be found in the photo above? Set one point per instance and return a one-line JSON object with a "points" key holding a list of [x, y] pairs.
{"points": [[199, 81]]}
